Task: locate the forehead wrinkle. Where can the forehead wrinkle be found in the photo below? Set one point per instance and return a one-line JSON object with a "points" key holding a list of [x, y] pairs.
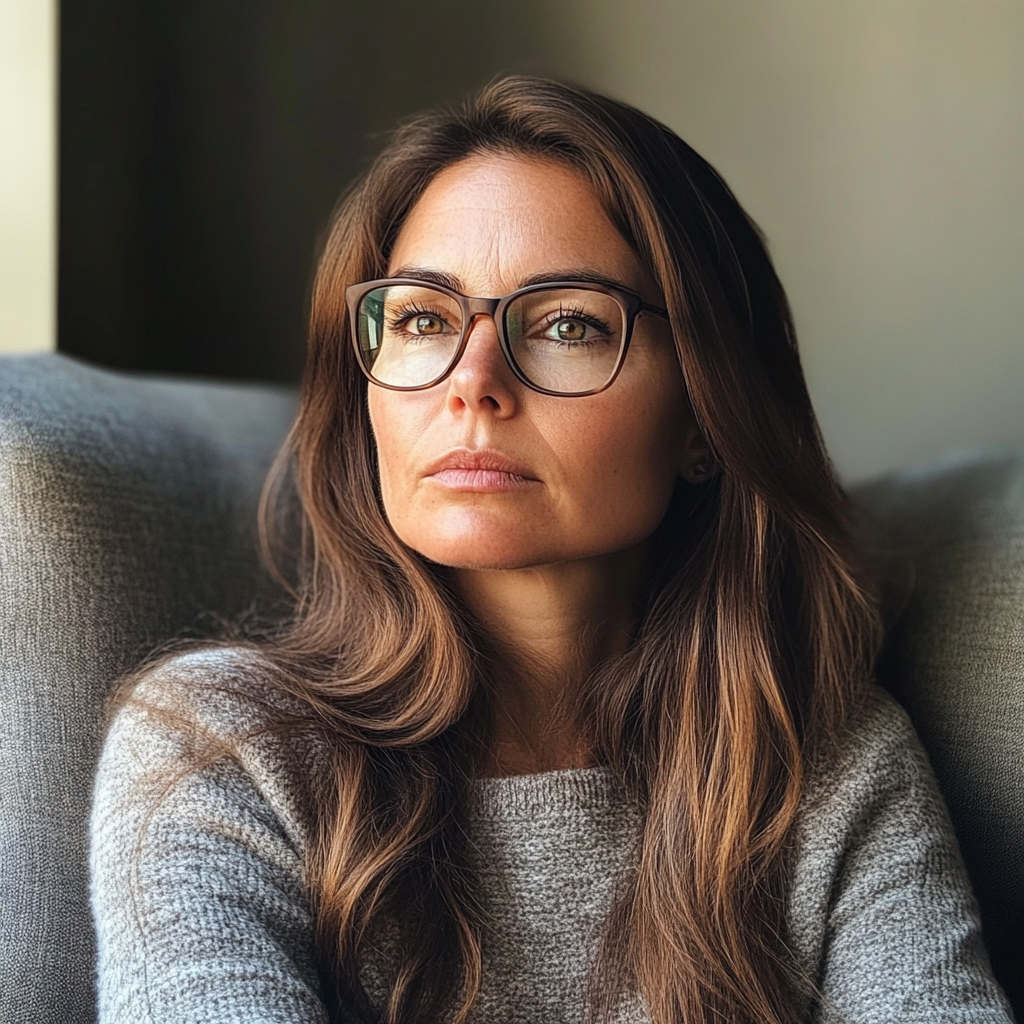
{"points": [[465, 259], [492, 236], [501, 232]]}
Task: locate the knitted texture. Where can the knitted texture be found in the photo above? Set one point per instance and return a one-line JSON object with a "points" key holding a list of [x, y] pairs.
{"points": [[202, 913], [127, 515]]}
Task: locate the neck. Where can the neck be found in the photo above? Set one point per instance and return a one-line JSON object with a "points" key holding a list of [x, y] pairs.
{"points": [[551, 625]]}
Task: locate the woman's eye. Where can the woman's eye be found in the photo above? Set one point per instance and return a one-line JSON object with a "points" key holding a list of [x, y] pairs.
{"points": [[426, 324], [569, 330], [575, 330], [418, 323]]}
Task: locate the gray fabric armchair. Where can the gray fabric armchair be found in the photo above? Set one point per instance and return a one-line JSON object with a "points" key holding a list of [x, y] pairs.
{"points": [[127, 517]]}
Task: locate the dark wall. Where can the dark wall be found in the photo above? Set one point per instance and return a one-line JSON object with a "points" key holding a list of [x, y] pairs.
{"points": [[203, 146]]}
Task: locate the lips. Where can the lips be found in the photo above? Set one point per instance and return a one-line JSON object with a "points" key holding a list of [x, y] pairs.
{"points": [[480, 470]]}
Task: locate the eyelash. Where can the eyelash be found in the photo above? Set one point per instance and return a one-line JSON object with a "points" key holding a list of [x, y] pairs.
{"points": [[578, 314], [407, 313]]}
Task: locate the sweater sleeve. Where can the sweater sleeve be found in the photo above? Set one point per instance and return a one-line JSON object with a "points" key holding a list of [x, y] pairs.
{"points": [[198, 889], [900, 933]]}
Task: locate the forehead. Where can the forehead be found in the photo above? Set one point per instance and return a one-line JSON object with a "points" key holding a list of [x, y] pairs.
{"points": [[494, 221]]}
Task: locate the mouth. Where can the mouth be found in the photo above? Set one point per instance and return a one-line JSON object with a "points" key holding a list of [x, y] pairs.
{"points": [[480, 470]]}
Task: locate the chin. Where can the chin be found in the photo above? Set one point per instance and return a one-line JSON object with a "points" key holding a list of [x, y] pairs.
{"points": [[508, 545], [475, 538], [481, 553], [472, 539], [479, 542]]}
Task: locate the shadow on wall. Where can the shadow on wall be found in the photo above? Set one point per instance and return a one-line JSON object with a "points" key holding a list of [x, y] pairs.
{"points": [[203, 146]]}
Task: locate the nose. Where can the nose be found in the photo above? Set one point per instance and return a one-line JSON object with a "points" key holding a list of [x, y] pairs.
{"points": [[482, 379]]}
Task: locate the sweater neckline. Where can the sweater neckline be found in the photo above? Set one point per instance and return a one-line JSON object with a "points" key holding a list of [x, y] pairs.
{"points": [[544, 793]]}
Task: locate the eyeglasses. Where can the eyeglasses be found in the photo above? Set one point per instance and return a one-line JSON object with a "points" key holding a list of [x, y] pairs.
{"points": [[565, 338]]}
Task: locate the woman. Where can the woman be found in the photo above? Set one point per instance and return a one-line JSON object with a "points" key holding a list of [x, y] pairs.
{"points": [[574, 718]]}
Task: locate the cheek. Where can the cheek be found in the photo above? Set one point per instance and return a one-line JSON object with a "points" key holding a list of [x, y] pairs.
{"points": [[393, 426], [622, 459]]}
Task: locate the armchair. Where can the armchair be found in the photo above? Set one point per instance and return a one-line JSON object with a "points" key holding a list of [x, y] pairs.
{"points": [[127, 516]]}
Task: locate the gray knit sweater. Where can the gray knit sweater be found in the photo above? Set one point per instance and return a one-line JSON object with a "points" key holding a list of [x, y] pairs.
{"points": [[202, 914]]}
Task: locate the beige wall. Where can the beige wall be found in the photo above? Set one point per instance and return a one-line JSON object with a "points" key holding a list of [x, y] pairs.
{"points": [[27, 175], [880, 144]]}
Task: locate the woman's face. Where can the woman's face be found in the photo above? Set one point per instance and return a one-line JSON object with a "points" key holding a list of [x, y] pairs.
{"points": [[481, 472]]}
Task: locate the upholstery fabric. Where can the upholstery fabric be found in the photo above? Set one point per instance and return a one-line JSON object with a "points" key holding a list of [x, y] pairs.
{"points": [[127, 516], [949, 546]]}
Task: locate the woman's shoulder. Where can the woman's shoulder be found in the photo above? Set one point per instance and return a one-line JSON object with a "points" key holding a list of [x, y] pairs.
{"points": [[877, 750], [874, 778], [201, 824], [226, 690], [207, 726]]}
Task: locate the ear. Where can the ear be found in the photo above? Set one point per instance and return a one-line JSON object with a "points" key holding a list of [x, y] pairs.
{"points": [[698, 462]]}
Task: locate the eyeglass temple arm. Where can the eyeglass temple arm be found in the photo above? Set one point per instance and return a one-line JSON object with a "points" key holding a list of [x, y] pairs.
{"points": [[657, 311]]}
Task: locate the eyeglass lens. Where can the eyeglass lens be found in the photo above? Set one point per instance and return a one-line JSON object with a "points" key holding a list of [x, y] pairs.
{"points": [[562, 339]]}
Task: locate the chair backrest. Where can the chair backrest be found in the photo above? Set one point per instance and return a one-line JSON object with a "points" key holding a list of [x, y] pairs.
{"points": [[127, 516], [949, 544]]}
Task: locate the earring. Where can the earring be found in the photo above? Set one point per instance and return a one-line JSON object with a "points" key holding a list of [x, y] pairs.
{"points": [[700, 469]]}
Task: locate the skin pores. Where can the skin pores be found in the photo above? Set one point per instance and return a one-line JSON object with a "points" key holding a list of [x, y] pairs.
{"points": [[479, 471]]}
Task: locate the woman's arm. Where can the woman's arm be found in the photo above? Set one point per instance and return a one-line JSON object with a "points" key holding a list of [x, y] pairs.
{"points": [[198, 889], [880, 881]]}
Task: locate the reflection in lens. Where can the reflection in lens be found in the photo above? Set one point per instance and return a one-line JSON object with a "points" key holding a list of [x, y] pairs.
{"points": [[408, 334], [565, 339]]}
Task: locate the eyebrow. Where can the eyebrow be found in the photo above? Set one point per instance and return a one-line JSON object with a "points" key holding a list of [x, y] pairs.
{"points": [[430, 277], [576, 274], [453, 282]]}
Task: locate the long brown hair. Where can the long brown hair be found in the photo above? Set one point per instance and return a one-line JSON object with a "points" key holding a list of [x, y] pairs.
{"points": [[748, 651]]}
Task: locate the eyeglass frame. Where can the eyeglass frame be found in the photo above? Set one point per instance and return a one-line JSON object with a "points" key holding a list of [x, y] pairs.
{"points": [[631, 304]]}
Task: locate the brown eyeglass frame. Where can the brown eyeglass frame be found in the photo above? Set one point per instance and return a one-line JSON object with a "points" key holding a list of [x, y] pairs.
{"points": [[631, 304]]}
